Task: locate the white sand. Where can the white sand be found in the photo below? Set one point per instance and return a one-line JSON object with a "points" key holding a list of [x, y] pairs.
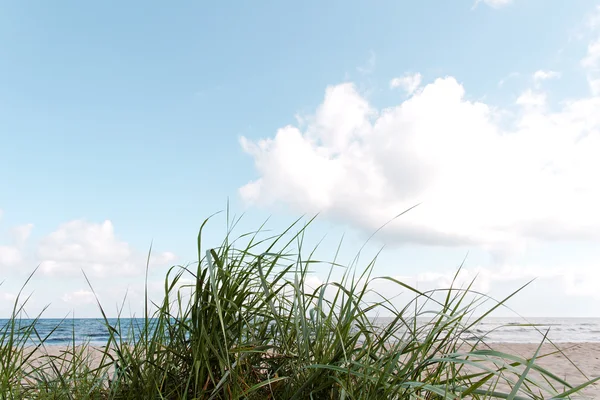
{"points": [[92, 355], [579, 359], [582, 356]]}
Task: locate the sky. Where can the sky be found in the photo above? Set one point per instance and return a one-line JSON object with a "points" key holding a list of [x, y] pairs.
{"points": [[127, 124]]}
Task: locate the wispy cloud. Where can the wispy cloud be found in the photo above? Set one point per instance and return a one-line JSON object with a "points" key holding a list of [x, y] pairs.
{"points": [[493, 3], [543, 75], [592, 58], [508, 77], [369, 67], [410, 82]]}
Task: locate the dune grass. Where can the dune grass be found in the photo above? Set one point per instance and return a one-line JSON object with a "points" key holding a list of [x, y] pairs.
{"points": [[249, 326]]}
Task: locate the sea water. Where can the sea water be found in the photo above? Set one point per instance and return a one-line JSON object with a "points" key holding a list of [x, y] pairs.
{"points": [[529, 330], [491, 330], [559, 330], [63, 332]]}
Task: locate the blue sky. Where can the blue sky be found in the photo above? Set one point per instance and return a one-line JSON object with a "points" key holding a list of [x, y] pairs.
{"points": [[122, 124]]}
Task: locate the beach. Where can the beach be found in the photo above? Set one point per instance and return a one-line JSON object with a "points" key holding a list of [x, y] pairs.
{"points": [[90, 355], [578, 361]]}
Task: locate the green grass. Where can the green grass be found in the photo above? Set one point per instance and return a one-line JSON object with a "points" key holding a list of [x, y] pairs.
{"points": [[249, 327]]}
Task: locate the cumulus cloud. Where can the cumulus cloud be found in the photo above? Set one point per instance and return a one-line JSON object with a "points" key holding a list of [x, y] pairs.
{"points": [[312, 282], [61, 255], [594, 86], [12, 255], [92, 247], [481, 179], [410, 83], [576, 281], [21, 233], [9, 256]]}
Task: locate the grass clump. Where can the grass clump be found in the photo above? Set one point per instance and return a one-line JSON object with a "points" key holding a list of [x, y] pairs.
{"points": [[243, 323]]}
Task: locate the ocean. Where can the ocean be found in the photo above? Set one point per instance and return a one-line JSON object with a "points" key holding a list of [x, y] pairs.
{"points": [[80, 330], [495, 330], [560, 330], [513, 330]]}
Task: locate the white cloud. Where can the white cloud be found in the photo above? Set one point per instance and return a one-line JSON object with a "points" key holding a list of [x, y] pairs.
{"points": [[79, 297], [591, 61], [410, 83], [553, 291], [530, 98], [12, 255], [592, 58], [9, 256], [21, 233], [163, 258], [494, 3], [497, 3], [483, 279], [480, 183], [369, 67], [512, 75], [594, 20], [9, 297], [92, 247], [311, 283], [61, 255], [542, 75], [594, 86], [575, 281]]}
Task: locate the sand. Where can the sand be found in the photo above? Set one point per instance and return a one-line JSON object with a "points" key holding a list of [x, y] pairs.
{"points": [[582, 356], [92, 356], [579, 359]]}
